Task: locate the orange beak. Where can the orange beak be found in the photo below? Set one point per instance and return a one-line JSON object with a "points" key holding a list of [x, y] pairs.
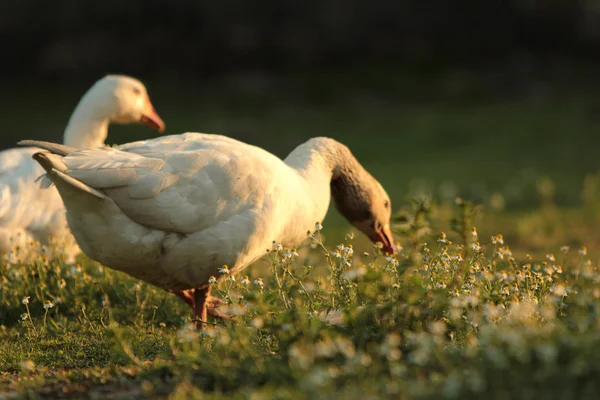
{"points": [[151, 118], [384, 235]]}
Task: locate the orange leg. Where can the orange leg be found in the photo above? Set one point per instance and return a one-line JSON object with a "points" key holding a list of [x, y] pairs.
{"points": [[200, 299], [202, 303], [185, 295]]}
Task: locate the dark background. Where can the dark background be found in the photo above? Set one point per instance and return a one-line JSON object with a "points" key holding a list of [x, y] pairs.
{"points": [[445, 97], [199, 40]]}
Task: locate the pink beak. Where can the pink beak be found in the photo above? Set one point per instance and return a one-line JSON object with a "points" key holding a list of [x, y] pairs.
{"points": [[151, 118], [384, 235]]}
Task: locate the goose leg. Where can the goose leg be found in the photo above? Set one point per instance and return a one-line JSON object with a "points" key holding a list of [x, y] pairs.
{"points": [[186, 295], [200, 300], [202, 303]]}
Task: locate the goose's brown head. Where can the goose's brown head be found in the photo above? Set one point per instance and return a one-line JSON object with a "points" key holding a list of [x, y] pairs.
{"points": [[363, 201]]}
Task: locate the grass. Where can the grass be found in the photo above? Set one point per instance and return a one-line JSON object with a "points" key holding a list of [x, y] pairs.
{"points": [[452, 316]]}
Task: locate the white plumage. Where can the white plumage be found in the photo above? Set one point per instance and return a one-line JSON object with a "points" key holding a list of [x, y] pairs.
{"points": [[30, 214], [173, 210]]}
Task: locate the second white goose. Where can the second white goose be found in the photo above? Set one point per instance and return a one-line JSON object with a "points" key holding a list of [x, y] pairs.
{"points": [[28, 213]]}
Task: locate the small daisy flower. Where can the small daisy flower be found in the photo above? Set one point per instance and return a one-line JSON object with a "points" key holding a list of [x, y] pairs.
{"points": [[48, 305], [25, 300], [290, 253], [498, 239], [474, 233], [245, 280], [24, 317], [231, 278], [550, 257], [564, 249], [583, 251], [475, 246], [557, 269], [318, 226], [443, 238], [212, 279], [277, 246], [259, 282], [224, 270], [392, 261]]}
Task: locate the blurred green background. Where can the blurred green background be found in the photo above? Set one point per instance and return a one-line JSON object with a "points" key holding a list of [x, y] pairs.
{"points": [[477, 99]]}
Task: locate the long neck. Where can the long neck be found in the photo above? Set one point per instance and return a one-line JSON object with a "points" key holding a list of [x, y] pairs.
{"points": [[87, 127], [323, 158], [319, 163]]}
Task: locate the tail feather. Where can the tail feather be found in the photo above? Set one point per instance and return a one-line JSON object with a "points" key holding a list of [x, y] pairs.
{"points": [[54, 169], [55, 148]]}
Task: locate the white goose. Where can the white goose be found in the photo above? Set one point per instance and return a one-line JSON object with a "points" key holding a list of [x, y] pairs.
{"points": [[28, 213], [173, 210]]}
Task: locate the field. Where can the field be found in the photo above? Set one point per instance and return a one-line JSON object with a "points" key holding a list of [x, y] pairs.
{"points": [[508, 310]]}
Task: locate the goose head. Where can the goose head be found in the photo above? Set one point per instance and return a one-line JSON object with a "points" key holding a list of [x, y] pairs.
{"points": [[126, 100], [114, 98], [363, 201], [357, 195]]}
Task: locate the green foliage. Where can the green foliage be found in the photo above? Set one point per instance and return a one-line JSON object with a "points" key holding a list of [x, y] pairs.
{"points": [[450, 316]]}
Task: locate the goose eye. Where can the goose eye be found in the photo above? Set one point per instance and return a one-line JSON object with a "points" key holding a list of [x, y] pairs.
{"points": [[386, 204], [137, 91]]}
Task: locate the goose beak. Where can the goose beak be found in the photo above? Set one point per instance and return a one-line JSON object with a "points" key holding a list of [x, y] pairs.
{"points": [[384, 235], [151, 118]]}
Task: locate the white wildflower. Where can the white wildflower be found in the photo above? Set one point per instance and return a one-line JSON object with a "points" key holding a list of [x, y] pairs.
{"points": [[245, 280], [259, 282], [277, 246], [559, 290], [25, 300], [224, 270], [231, 278], [564, 249], [48, 305], [349, 250], [442, 238], [583, 251], [474, 233], [24, 317], [290, 253], [318, 226], [392, 261], [475, 246], [212, 279], [550, 257], [557, 269]]}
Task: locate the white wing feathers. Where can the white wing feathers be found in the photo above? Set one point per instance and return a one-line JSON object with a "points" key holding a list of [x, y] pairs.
{"points": [[103, 168]]}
